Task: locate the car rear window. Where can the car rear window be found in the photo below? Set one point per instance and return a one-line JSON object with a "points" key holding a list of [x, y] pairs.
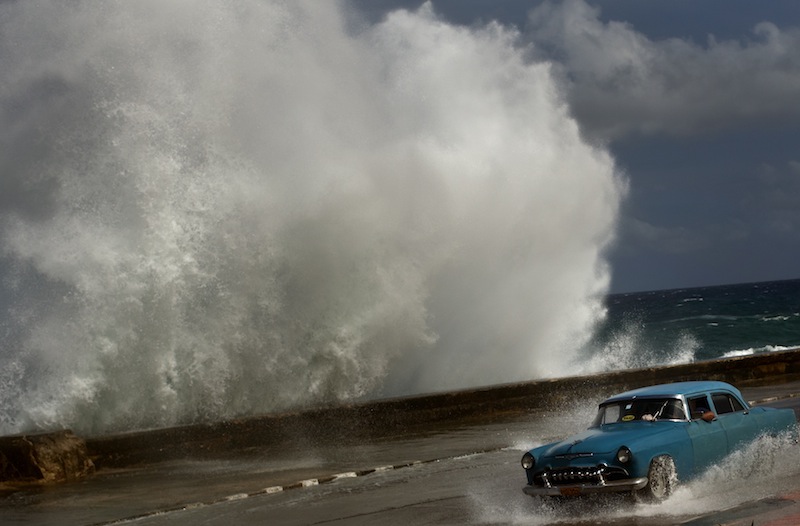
{"points": [[725, 403]]}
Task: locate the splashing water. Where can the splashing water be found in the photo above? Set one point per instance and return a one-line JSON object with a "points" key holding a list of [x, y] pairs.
{"points": [[628, 346], [767, 466], [758, 470], [213, 209]]}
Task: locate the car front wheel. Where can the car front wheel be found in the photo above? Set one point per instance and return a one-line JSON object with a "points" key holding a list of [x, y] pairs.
{"points": [[661, 480]]}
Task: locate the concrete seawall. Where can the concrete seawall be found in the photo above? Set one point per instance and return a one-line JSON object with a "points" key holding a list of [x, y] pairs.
{"points": [[400, 416], [395, 417]]}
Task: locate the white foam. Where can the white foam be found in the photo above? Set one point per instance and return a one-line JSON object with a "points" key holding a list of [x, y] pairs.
{"points": [[249, 206], [753, 350], [628, 348], [759, 470]]}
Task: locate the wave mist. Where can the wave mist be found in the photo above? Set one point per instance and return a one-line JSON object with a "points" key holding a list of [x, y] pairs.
{"points": [[215, 209]]}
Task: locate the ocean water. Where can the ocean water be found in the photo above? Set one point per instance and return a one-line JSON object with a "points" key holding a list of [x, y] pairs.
{"points": [[704, 323]]}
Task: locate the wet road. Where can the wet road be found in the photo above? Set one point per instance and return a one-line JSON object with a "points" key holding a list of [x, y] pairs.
{"points": [[468, 475]]}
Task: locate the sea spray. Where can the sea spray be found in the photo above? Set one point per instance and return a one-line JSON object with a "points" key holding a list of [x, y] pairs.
{"points": [[626, 343], [703, 323], [215, 209]]}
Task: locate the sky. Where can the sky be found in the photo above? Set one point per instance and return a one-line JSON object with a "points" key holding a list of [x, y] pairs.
{"points": [[699, 104]]}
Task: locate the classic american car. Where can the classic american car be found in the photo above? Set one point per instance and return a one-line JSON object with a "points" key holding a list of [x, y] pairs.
{"points": [[643, 441]]}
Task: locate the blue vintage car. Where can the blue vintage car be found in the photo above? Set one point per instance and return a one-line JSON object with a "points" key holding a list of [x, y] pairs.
{"points": [[643, 441]]}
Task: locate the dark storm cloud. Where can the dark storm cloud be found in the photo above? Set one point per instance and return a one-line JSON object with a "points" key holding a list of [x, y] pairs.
{"points": [[620, 82], [706, 210], [706, 129], [780, 188]]}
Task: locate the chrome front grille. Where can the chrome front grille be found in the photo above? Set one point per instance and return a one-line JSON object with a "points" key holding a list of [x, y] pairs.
{"points": [[569, 476]]}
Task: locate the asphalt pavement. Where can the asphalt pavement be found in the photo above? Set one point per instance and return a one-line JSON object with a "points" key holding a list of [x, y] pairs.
{"points": [[466, 474]]}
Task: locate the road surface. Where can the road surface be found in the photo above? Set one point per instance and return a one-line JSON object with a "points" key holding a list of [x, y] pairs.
{"points": [[465, 475]]}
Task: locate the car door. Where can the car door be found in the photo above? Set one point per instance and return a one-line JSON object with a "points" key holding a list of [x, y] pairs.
{"points": [[740, 428], [709, 440]]}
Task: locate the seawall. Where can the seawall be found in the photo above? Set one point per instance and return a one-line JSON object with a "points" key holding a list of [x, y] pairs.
{"points": [[399, 416], [379, 419]]}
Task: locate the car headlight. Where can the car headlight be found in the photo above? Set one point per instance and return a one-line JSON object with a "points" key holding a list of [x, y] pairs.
{"points": [[528, 461], [624, 455]]}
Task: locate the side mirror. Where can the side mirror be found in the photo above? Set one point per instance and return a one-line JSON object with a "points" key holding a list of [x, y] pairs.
{"points": [[709, 416]]}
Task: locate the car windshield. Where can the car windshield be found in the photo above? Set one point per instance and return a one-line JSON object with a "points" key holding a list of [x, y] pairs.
{"points": [[647, 409]]}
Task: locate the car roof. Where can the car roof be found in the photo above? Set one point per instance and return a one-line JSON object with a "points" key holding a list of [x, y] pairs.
{"points": [[675, 389]]}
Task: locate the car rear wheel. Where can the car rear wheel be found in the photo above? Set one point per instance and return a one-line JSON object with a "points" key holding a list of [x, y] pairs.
{"points": [[661, 480]]}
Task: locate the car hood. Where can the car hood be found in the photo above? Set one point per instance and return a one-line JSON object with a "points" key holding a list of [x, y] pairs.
{"points": [[603, 439]]}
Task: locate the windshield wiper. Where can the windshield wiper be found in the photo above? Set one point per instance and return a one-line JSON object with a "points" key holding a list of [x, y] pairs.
{"points": [[658, 413]]}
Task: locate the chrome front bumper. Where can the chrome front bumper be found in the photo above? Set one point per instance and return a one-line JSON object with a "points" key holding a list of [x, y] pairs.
{"points": [[573, 490]]}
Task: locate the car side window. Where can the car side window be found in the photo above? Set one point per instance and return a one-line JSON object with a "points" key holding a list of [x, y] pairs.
{"points": [[725, 403], [612, 413], [737, 405], [698, 405], [722, 403]]}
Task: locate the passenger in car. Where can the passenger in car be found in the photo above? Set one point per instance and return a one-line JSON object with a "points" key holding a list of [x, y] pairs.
{"points": [[697, 407]]}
